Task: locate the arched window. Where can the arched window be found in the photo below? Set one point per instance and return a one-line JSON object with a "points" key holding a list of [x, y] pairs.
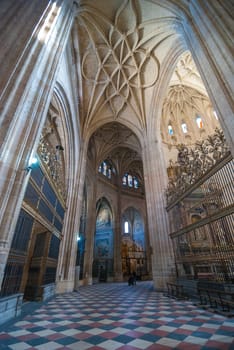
{"points": [[125, 180], [170, 130], [106, 169], [199, 122], [130, 181], [184, 127], [135, 182], [126, 227]]}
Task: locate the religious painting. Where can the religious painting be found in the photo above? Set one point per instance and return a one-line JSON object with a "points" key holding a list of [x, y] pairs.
{"points": [[103, 240], [102, 247], [103, 218]]}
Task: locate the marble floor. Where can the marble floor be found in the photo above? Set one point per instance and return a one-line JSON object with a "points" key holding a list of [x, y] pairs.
{"points": [[115, 316]]}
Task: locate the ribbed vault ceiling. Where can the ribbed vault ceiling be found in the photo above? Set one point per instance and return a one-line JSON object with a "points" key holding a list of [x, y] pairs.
{"points": [[121, 47], [119, 144]]}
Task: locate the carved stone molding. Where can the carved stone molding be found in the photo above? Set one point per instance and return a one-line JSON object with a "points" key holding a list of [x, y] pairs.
{"points": [[50, 151]]}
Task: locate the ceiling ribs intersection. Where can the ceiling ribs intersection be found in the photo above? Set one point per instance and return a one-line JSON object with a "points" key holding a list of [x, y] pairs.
{"points": [[116, 61]]}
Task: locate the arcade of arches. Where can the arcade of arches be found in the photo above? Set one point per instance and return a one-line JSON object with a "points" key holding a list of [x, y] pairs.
{"points": [[116, 144]]}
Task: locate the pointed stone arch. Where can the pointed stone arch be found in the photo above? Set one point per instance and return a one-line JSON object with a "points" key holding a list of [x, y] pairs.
{"points": [[133, 243]]}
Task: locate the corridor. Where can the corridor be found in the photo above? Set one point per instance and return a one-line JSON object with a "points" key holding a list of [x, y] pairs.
{"points": [[115, 316]]}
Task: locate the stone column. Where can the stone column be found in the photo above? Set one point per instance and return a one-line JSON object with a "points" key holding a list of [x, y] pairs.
{"points": [[90, 230], [68, 251], [163, 268], [148, 248], [210, 39], [118, 276], [34, 35]]}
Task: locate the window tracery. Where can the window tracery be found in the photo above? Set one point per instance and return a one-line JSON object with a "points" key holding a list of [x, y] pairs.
{"points": [[130, 181], [106, 169]]}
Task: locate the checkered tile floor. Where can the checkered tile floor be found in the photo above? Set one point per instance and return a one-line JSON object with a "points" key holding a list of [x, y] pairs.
{"points": [[115, 316]]}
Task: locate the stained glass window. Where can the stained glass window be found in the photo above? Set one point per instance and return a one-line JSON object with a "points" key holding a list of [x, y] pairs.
{"points": [[135, 182], [125, 180], [170, 130], [199, 121], [126, 227], [130, 181], [184, 127], [106, 169]]}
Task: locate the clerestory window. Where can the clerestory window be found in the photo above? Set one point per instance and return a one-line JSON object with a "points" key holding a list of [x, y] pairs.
{"points": [[130, 181], [199, 122], [170, 130], [126, 227], [106, 169], [184, 127]]}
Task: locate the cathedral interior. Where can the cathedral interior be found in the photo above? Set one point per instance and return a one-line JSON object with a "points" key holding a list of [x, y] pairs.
{"points": [[116, 145]]}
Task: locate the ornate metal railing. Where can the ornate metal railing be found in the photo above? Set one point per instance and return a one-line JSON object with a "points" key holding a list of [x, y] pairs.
{"points": [[201, 211]]}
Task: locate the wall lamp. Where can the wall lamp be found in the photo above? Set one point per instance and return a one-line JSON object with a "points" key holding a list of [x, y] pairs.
{"points": [[32, 163]]}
